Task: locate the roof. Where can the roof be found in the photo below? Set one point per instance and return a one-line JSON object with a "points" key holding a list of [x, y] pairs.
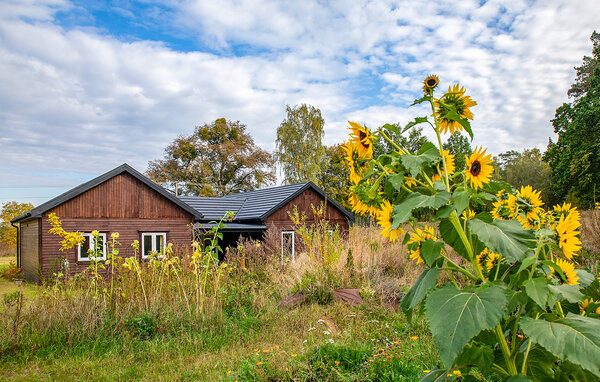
{"points": [[256, 205], [124, 168], [233, 227]]}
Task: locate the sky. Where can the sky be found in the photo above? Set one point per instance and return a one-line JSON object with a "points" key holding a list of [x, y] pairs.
{"points": [[87, 85]]}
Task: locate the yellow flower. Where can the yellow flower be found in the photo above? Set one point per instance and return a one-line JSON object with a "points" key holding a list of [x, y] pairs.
{"points": [[229, 372], [569, 271], [363, 139], [454, 99], [426, 371], [294, 355], [352, 157], [414, 338], [479, 169], [449, 162], [492, 260], [584, 304], [384, 219], [114, 235], [566, 209], [483, 257], [468, 214], [501, 211], [430, 83], [534, 202], [259, 363], [95, 233], [566, 230], [410, 181], [337, 363], [417, 237]]}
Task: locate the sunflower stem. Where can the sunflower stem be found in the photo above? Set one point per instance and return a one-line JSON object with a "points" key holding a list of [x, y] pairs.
{"points": [[463, 237], [439, 139], [385, 136], [510, 363]]}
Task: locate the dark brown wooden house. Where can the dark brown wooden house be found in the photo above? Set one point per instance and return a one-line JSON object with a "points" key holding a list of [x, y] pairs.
{"points": [[125, 201]]}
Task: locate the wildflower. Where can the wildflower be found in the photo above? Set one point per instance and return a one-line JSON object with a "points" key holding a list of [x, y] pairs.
{"points": [[520, 336], [417, 237], [468, 214], [337, 363], [265, 351], [276, 346], [385, 220], [114, 235], [229, 372], [483, 259], [568, 269], [363, 139], [479, 169], [501, 211], [453, 100], [294, 355], [259, 363], [566, 231], [414, 338], [430, 83], [426, 371]]}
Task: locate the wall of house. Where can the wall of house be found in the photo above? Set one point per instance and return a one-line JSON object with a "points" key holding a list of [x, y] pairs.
{"points": [[29, 242], [122, 204]]}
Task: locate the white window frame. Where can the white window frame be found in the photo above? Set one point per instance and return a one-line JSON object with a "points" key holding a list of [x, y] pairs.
{"points": [[87, 256], [153, 241], [283, 245]]}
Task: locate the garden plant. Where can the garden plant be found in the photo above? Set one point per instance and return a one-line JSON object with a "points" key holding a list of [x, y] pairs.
{"points": [[517, 306]]}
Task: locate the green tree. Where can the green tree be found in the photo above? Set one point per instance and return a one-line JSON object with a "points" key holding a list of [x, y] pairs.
{"points": [[334, 175], [458, 145], [575, 157], [8, 234], [217, 159], [586, 71], [411, 141], [530, 169], [300, 149]]}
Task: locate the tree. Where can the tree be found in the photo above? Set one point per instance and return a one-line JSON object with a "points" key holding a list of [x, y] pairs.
{"points": [[217, 159], [299, 143], [334, 175], [8, 233], [411, 141], [458, 145], [575, 157]]}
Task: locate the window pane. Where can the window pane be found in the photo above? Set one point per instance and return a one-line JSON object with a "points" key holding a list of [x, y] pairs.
{"points": [[147, 244], [85, 247], [287, 244], [160, 244]]}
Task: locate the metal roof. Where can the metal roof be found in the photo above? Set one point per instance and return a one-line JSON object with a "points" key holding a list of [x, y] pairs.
{"points": [[124, 168], [233, 227], [255, 205]]}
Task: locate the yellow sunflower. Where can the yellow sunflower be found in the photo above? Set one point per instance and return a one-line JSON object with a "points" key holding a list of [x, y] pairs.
{"points": [[569, 271], [454, 99], [492, 261], [418, 236], [501, 211], [566, 209], [566, 230], [468, 214], [352, 157], [482, 258], [585, 303], [449, 163], [430, 83], [533, 201], [363, 139], [479, 169], [384, 219], [410, 181]]}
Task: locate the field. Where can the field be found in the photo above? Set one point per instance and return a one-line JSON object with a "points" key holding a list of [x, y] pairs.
{"points": [[184, 320]]}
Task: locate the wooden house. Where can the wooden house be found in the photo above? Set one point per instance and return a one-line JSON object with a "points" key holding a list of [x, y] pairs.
{"points": [[125, 201]]}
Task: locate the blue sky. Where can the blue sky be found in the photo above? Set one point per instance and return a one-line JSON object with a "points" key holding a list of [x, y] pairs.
{"points": [[88, 85]]}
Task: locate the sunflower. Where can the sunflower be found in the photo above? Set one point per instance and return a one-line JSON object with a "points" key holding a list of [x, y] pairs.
{"points": [[449, 158], [585, 303], [363, 139], [352, 157], [453, 100], [500, 210], [468, 214], [410, 181], [565, 209], [363, 204], [417, 237], [430, 83], [384, 219], [482, 258], [533, 201], [568, 269], [479, 169], [566, 230], [492, 261]]}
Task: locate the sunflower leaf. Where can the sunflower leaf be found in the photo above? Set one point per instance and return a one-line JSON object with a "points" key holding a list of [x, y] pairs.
{"points": [[574, 338], [430, 251], [417, 121], [421, 100], [506, 237], [397, 181], [537, 290], [403, 211], [453, 115], [414, 163], [570, 293], [419, 289], [456, 316]]}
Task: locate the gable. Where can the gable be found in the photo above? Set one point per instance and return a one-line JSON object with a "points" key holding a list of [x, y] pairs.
{"points": [[305, 202], [122, 196]]}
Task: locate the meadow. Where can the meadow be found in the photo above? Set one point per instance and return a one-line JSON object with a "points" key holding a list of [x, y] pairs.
{"points": [[184, 316]]}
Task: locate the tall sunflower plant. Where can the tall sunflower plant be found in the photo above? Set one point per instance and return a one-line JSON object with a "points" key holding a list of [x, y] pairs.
{"points": [[517, 305]]}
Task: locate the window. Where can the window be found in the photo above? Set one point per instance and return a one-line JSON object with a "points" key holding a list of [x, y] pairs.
{"points": [[287, 245], [85, 250], [153, 242]]}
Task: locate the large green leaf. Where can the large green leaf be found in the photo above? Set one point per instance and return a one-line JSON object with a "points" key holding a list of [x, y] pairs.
{"points": [[430, 251], [414, 162], [460, 199], [450, 236], [456, 316], [419, 289], [477, 354], [574, 338], [569, 292], [403, 211], [537, 290], [505, 237]]}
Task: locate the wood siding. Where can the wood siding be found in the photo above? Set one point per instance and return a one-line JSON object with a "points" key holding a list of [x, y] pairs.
{"points": [[29, 242], [178, 231], [121, 197], [282, 221]]}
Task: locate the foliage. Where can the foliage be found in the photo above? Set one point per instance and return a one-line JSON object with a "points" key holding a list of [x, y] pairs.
{"points": [[525, 168], [300, 149], [333, 175], [217, 159], [575, 157], [10, 210], [459, 146], [515, 304], [412, 141]]}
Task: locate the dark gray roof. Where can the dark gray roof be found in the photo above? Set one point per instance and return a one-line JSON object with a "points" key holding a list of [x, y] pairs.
{"points": [[256, 205], [124, 168]]}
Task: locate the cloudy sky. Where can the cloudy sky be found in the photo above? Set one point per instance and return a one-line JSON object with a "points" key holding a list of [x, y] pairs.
{"points": [[86, 85]]}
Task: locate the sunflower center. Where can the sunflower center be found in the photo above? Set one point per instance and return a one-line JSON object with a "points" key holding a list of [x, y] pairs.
{"points": [[475, 168], [431, 82]]}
